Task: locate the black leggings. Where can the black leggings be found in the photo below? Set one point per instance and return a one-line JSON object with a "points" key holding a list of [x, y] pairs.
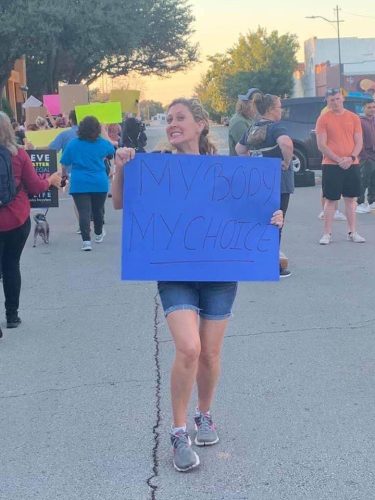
{"points": [[11, 245], [284, 203], [87, 204]]}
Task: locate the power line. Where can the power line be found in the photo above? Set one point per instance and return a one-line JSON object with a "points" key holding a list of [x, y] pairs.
{"points": [[358, 15]]}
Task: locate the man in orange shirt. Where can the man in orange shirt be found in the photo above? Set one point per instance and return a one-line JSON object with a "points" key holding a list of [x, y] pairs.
{"points": [[339, 137]]}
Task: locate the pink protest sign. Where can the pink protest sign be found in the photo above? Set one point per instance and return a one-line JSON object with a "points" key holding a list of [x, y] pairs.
{"points": [[52, 103]]}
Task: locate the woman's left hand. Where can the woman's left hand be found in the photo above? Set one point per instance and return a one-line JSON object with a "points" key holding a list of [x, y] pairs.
{"points": [[277, 219]]}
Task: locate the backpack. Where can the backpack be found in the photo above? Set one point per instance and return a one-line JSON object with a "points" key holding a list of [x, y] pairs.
{"points": [[8, 190], [134, 135], [256, 136]]}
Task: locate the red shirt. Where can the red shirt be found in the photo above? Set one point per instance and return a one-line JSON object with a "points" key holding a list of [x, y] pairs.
{"points": [[17, 211]]}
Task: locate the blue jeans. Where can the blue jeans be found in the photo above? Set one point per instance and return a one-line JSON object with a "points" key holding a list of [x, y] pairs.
{"points": [[211, 300]]}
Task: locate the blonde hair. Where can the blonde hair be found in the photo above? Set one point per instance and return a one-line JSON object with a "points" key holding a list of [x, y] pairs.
{"points": [[206, 146], [41, 123], [241, 107], [7, 135]]}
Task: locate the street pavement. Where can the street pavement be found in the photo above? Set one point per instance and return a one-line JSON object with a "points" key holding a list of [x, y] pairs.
{"points": [[84, 381]]}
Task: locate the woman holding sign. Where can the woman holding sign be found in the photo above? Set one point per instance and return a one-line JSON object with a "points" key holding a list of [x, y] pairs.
{"points": [[197, 312], [18, 179]]}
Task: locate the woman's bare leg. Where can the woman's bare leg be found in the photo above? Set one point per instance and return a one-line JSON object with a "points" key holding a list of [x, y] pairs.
{"points": [[212, 337], [183, 325]]}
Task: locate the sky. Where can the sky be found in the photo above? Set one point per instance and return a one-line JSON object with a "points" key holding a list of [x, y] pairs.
{"points": [[219, 24]]}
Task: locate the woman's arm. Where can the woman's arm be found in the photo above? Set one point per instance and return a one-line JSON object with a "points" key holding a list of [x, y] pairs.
{"points": [[286, 145], [123, 156], [241, 150]]}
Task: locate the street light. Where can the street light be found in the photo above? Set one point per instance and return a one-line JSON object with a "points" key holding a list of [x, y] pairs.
{"points": [[337, 21]]}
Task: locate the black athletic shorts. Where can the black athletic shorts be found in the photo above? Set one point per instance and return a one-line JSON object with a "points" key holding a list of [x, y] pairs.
{"points": [[337, 182]]}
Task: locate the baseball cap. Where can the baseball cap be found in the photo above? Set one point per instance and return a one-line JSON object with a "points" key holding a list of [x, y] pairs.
{"points": [[332, 91], [249, 94]]}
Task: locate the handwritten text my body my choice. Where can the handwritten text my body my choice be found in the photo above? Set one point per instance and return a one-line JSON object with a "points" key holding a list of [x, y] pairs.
{"points": [[201, 203]]}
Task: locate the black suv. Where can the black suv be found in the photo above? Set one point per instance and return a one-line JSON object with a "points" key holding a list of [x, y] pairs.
{"points": [[299, 117]]}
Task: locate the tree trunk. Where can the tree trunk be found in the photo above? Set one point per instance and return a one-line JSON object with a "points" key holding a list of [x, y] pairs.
{"points": [[51, 70]]}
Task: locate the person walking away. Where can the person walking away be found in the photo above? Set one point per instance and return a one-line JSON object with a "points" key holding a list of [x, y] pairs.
{"points": [[339, 139], [18, 179], [63, 138], [197, 312], [89, 180], [367, 163], [134, 135], [268, 138], [242, 119], [20, 134], [59, 144]]}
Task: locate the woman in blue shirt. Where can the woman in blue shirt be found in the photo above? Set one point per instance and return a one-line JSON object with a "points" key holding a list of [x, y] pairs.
{"points": [[89, 180]]}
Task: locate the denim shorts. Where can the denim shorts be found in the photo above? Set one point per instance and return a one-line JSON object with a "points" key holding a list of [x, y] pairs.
{"points": [[211, 300]]}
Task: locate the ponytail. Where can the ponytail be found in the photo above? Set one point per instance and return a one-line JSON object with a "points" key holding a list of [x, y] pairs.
{"points": [[264, 102]]}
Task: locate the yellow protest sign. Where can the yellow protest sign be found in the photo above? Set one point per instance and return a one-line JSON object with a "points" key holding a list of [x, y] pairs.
{"points": [[129, 99], [107, 112], [42, 138]]}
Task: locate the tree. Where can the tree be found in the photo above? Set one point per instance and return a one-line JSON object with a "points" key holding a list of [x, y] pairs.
{"points": [[211, 90], [256, 60], [150, 108], [22, 31], [113, 38]]}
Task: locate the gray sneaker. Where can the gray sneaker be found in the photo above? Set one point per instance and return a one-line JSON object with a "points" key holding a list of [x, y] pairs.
{"points": [[184, 458], [206, 430]]}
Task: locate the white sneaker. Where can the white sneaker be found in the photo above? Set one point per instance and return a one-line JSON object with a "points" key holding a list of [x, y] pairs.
{"points": [[86, 246], [339, 216], [321, 216], [356, 238], [100, 237], [325, 239], [372, 206], [78, 231], [363, 208]]}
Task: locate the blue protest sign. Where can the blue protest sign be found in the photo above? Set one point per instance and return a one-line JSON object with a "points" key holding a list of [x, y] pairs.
{"points": [[200, 218]]}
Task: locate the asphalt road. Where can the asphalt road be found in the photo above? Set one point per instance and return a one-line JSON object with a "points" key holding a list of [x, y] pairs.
{"points": [[84, 396]]}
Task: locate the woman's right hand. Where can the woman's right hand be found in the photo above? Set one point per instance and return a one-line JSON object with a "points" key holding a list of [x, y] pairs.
{"points": [[123, 156], [55, 179]]}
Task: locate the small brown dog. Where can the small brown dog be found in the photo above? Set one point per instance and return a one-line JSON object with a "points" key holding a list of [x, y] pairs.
{"points": [[41, 228]]}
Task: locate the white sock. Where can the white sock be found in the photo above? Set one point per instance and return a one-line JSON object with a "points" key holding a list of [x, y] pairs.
{"points": [[198, 412], [176, 430]]}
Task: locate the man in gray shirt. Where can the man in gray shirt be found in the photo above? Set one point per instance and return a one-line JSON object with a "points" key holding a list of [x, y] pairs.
{"points": [[242, 119]]}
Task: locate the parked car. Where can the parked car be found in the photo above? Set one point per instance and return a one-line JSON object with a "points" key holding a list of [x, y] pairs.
{"points": [[299, 118]]}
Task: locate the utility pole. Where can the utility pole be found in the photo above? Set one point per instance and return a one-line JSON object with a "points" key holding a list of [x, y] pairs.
{"points": [[339, 44]]}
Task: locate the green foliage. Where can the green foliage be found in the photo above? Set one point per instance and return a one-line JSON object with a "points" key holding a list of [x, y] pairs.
{"points": [[150, 108], [21, 32], [5, 106], [75, 40], [256, 60], [104, 37]]}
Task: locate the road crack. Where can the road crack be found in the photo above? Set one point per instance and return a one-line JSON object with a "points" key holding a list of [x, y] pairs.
{"points": [[155, 430]]}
